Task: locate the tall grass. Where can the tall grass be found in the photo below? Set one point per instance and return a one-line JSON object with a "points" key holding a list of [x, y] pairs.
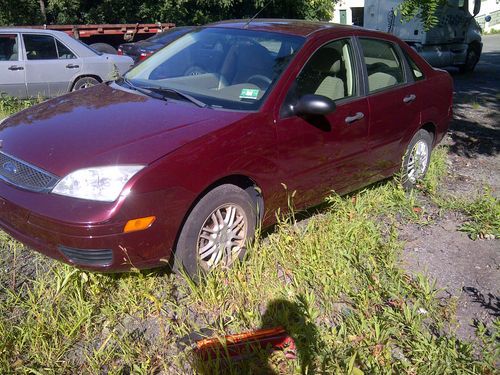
{"points": [[333, 281]]}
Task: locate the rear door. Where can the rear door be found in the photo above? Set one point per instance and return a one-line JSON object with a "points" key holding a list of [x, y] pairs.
{"points": [[394, 101], [12, 66], [51, 66]]}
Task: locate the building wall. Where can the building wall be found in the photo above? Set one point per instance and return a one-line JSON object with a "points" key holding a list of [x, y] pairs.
{"points": [[346, 5], [488, 8]]}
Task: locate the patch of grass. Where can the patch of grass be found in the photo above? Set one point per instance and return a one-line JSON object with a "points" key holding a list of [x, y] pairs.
{"points": [[483, 215], [10, 105], [334, 283]]}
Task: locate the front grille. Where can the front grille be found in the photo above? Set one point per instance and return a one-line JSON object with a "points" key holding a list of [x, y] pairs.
{"points": [[88, 257], [24, 175]]}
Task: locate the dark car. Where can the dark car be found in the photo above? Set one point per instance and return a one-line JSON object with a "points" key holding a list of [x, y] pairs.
{"points": [[142, 49], [165, 166]]}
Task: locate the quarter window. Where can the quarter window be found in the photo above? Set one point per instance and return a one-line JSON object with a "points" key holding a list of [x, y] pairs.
{"points": [[382, 63], [415, 70], [9, 48], [63, 51], [329, 72]]}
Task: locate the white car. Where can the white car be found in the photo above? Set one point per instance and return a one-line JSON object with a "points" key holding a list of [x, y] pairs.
{"points": [[49, 63]]}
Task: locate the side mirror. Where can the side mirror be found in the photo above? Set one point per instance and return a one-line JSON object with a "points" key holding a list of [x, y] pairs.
{"points": [[318, 105], [477, 7]]}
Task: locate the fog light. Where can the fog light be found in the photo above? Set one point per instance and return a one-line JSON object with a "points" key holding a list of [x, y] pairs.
{"points": [[139, 224]]}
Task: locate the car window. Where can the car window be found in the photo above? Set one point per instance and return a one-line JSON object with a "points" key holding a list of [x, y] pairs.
{"points": [[415, 70], [40, 47], [329, 72], [9, 47], [382, 63], [224, 68], [63, 52]]}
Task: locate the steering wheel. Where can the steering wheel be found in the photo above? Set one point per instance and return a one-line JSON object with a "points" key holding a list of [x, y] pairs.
{"points": [[260, 80], [194, 70]]}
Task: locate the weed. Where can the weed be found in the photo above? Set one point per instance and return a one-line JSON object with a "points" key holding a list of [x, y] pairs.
{"points": [[10, 105], [333, 282]]}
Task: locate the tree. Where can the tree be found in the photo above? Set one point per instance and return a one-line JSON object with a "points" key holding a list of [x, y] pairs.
{"points": [[425, 10]]}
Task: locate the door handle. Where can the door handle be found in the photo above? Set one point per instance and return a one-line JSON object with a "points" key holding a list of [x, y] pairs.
{"points": [[15, 67], [409, 98], [72, 66], [356, 117]]}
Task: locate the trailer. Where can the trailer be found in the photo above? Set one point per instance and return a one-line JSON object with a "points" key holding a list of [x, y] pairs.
{"points": [[106, 37]]}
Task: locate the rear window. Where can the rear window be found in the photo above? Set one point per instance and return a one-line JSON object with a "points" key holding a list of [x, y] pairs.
{"points": [[382, 63], [40, 47]]}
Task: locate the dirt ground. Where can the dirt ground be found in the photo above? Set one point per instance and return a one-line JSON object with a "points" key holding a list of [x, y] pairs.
{"points": [[467, 271]]}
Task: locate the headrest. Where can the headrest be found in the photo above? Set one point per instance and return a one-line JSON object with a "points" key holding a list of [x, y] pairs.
{"points": [[326, 60]]}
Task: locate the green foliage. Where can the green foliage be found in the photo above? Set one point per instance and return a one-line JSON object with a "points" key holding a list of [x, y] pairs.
{"points": [[425, 10], [181, 12], [10, 105]]}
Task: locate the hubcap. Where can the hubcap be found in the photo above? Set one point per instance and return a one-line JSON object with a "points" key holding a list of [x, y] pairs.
{"points": [[418, 160], [222, 236]]}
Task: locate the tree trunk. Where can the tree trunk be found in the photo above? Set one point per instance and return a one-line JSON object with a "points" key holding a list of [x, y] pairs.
{"points": [[43, 11]]}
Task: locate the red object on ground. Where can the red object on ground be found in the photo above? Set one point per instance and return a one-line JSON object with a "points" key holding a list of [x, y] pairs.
{"points": [[241, 345]]}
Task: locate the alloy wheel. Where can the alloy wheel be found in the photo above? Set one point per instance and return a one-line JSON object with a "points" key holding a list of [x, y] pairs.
{"points": [[222, 237]]}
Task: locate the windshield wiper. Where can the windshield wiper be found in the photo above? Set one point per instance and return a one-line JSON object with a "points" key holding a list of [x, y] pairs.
{"points": [[181, 94], [143, 90]]}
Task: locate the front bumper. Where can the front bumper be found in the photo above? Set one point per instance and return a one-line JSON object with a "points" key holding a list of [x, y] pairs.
{"points": [[100, 246]]}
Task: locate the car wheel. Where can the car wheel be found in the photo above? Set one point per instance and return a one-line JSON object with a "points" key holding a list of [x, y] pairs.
{"points": [[417, 158], [470, 61], [104, 48], [85, 82], [216, 232]]}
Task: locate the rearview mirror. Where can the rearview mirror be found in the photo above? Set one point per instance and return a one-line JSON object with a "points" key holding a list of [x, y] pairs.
{"points": [[318, 105], [477, 7]]}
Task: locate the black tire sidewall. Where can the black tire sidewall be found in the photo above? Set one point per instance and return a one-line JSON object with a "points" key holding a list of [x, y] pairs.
{"points": [[81, 81], [186, 256], [465, 68], [421, 135]]}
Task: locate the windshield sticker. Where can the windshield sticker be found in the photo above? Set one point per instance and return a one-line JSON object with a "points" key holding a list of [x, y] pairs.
{"points": [[249, 93]]}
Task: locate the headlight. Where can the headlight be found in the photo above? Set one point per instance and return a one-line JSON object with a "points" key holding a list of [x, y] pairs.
{"points": [[98, 184]]}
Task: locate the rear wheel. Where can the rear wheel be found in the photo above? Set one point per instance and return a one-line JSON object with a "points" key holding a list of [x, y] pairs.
{"points": [[417, 158], [217, 231], [85, 82]]}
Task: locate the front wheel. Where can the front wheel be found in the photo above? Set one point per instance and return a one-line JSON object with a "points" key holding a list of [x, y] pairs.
{"points": [[471, 60], [417, 158], [216, 232]]}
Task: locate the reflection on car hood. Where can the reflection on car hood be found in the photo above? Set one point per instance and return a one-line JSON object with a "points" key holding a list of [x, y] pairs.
{"points": [[103, 125]]}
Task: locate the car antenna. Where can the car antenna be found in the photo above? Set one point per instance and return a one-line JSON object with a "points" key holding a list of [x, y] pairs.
{"points": [[256, 14]]}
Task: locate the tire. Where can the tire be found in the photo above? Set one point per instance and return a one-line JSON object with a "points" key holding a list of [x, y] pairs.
{"points": [[104, 48], [471, 60], [201, 247], [416, 159], [84, 82]]}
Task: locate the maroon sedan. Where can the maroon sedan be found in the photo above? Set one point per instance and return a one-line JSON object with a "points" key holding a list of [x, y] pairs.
{"points": [[165, 165]]}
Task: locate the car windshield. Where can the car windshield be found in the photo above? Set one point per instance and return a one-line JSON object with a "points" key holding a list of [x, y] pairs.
{"points": [[224, 68]]}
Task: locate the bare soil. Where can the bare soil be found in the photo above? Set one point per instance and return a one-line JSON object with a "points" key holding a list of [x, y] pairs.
{"points": [[467, 271]]}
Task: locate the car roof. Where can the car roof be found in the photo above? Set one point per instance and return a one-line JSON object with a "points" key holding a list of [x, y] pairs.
{"points": [[286, 26], [30, 30]]}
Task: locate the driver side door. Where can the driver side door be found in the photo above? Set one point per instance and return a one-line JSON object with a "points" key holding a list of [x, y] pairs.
{"points": [[318, 154]]}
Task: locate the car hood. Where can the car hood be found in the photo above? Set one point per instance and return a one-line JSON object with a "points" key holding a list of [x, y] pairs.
{"points": [[105, 125]]}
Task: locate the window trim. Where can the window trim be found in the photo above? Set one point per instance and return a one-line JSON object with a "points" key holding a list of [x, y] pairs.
{"points": [[407, 57], [403, 64]]}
